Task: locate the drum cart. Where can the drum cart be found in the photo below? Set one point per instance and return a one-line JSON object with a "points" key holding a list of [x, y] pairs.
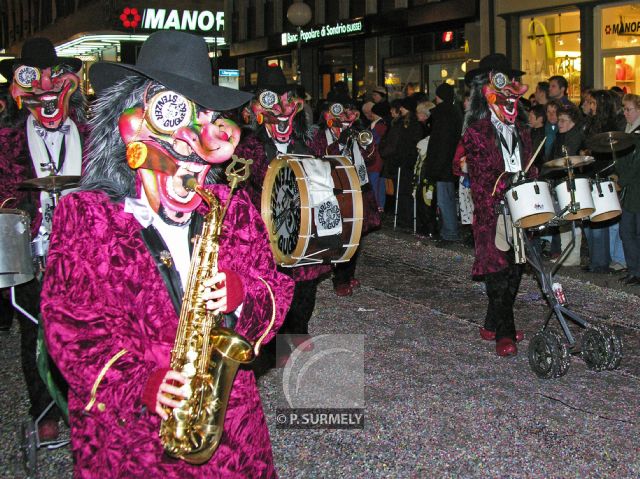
{"points": [[549, 354]]}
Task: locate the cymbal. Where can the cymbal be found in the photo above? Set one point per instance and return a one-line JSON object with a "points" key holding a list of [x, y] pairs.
{"points": [[569, 161], [51, 183], [610, 141]]}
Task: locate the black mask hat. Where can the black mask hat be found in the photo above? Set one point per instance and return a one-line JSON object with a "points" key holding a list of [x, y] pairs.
{"points": [[180, 62], [271, 77], [39, 52], [494, 62]]}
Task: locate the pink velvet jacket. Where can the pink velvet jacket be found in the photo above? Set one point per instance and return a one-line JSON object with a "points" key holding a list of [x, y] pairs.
{"points": [[485, 163], [102, 294], [252, 147]]}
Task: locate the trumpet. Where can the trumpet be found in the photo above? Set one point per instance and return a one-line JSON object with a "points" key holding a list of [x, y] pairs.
{"points": [[363, 137]]}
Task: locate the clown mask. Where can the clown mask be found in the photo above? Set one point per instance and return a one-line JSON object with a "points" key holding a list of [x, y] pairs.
{"points": [[502, 95], [46, 92], [339, 117], [276, 113], [170, 138]]}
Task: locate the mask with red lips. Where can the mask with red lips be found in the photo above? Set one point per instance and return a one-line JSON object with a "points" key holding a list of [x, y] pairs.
{"points": [[276, 113], [502, 94], [45, 92], [180, 139], [339, 117]]}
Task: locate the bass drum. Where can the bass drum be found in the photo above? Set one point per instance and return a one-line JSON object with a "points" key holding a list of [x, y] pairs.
{"points": [[16, 265], [287, 210]]}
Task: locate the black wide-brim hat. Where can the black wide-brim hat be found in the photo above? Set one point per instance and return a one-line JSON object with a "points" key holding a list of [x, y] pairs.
{"points": [[494, 62], [271, 77], [6, 70], [39, 52], [180, 62]]}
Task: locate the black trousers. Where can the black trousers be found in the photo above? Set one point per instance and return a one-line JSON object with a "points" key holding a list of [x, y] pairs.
{"points": [[28, 297], [343, 273], [502, 288], [302, 305]]}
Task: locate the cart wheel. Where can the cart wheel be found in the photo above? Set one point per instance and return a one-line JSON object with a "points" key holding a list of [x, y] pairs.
{"points": [[597, 349], [548, 355], [615, 345], [29, 448]]}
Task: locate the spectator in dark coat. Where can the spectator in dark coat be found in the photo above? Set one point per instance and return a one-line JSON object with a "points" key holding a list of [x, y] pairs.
{"points": [[399, 153], [446, 127]]}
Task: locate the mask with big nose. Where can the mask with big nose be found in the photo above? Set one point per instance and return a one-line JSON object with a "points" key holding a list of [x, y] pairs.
{"points": [[168, 138]]}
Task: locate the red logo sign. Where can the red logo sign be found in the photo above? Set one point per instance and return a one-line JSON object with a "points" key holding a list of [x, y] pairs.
{"points": [[130, 17], [447, 37]]}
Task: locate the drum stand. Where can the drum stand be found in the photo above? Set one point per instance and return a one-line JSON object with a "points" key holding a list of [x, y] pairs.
{"points": [[548, 353], [28, 435]]}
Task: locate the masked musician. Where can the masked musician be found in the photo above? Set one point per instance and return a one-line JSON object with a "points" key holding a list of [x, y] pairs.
{"points": [[46, 139], [497, 146], [337, 135], [119, 262], [279, 129]]}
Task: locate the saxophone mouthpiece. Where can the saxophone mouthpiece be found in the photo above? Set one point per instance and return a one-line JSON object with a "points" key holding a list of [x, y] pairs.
{"points": [[190, 182]]}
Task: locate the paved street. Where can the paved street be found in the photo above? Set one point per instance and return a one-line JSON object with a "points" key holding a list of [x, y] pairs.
{"points": [[438, 401]]}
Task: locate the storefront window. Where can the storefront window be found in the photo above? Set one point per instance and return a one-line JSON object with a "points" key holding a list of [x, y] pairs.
{"points": [[551, 46], [620, 43]]}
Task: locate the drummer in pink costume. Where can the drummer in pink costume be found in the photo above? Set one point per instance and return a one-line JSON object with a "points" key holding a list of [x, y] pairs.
{"points": [[278, 128], [494, 142], [119, 261], [46, 138], [339, 126]]}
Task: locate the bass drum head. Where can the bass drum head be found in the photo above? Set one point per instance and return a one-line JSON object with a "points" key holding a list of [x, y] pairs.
{"points": [[288, 222], [286, 211]]}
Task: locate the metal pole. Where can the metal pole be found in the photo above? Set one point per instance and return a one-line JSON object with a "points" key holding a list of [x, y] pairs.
{"points": [[395, 213]]}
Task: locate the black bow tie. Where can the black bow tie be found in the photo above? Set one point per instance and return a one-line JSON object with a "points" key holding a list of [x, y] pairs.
{"points": [[42, 132]]}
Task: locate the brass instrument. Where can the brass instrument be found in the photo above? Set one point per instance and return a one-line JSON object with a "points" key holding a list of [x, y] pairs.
{"points": [[206, 353], [363, 137]]}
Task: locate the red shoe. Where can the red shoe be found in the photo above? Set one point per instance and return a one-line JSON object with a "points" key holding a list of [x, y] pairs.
{"points": [[343, 290], [303, 342], [354, 283], [48, 430], [506, 347], [491, 335]]}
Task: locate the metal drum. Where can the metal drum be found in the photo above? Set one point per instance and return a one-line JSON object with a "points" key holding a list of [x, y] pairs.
{"points": [[16, 265], [605, 199], [530, 203], [582, 195]]}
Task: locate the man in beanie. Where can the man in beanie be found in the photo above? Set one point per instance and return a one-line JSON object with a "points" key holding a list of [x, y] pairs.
{"points": [[493, 144], [446, 126], [119, 265]]}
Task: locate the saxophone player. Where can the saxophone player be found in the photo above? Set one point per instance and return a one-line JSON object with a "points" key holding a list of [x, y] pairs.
{"points": [[120, 256]]}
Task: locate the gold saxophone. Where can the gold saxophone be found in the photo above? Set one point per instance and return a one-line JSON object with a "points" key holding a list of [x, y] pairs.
{"points": [[206, 353]]}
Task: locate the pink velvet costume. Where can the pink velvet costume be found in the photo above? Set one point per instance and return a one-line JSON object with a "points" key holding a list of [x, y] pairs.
{"points": [[103, 294]]}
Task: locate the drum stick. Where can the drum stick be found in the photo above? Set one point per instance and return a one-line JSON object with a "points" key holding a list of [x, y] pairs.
{"points": [[535, 154]]}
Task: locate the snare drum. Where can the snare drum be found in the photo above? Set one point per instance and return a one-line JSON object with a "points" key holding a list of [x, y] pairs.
{"points": [[298, 227], [582, 197], [605, 199], [530, 203], [16, 265]]}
